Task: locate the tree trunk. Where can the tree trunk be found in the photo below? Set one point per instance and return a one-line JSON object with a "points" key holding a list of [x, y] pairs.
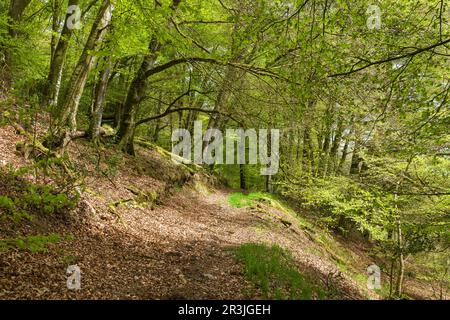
{"points": [[99, 100], [118, 105], [84, 65], [269, 187], [16, 9], [243, 182], [66, 118], [299, 147], [391, 277], [157, 127], [136, 93], [333, 159], [308, 153], [344, 155], [401, 262], [327, 136], [127, 124], [355, 163], [58, 57], [15, 12], [56, 8]]}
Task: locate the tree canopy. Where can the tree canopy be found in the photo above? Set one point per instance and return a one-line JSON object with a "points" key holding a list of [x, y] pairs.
{"points": [[358, 89]]}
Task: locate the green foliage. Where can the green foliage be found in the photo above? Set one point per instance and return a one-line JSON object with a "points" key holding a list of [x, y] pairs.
{"points": [[273, 270], [240, 200], [45, 200], [6, 203], [22, 199], [34, 244], [343, 198], [10, 210], [253, 177]]}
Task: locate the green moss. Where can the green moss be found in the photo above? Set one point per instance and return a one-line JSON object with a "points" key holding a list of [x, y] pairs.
{"points": [[240, 200]]}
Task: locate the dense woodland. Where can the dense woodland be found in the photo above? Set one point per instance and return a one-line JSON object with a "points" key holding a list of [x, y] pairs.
{"points": [[360, 91]]}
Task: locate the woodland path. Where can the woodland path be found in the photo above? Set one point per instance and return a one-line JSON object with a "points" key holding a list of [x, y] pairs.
{"points": [[180, 248]]}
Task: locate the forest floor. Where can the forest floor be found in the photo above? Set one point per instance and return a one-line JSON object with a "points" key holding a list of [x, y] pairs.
{"points": [[146, 228]]}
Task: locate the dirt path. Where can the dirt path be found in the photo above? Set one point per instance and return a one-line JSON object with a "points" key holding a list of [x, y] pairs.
{"points": [[150, 255], [179, 248]]}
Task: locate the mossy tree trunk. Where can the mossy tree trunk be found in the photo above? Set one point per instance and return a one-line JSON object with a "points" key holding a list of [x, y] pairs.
{"points": [[99, 100], [59, 52], [65, 123], [136, 92]]}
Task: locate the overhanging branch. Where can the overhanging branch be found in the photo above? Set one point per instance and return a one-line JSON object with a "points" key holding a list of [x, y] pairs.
{"points": [[406, 55], [252, 69], [166, 113]]}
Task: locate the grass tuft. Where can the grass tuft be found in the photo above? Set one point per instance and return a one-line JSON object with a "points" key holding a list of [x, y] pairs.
{"points": [[273, 270]]}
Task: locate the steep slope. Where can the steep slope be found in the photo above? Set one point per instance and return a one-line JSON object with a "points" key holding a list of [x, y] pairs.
{"points": [[146, 228]]}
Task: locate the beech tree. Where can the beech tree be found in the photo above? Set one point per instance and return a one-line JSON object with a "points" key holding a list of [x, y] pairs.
{"points": [[361, 98]]}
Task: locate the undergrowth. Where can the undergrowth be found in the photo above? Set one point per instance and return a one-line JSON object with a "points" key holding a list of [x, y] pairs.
{"points": [[21, 199], [39, 243], [240, 200], [273, 270]]}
